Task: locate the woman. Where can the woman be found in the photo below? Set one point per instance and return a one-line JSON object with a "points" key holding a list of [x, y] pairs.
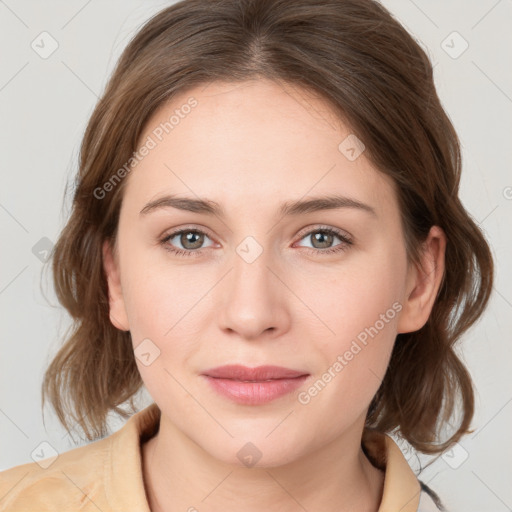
{"points": [[266, 234]]}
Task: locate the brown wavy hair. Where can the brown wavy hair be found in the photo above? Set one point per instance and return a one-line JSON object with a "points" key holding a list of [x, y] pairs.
{"points": [[379, 81]]}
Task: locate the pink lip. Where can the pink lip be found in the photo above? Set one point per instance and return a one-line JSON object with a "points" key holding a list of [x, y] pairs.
{"points": [[239, 372], [253, 386]]}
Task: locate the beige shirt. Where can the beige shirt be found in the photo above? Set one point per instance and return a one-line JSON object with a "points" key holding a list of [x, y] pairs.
{"points": [[106, 475]]}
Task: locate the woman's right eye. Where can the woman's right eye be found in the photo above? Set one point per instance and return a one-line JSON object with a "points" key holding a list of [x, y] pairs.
{"points": [[190, 239]]}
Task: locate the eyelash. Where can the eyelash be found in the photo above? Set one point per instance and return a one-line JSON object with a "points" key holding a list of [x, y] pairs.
{"points": [[346, 242]]}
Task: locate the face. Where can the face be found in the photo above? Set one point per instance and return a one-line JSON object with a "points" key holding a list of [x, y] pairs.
{"points": [[314, 289]]}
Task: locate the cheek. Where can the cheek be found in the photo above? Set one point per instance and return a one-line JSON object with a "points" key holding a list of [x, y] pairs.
{"points": [[355, 296], [161, 309], [361, 307], [160, 297], [170, 305]]}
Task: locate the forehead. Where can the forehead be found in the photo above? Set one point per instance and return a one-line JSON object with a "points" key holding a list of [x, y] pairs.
{"points": [[250, 143]]}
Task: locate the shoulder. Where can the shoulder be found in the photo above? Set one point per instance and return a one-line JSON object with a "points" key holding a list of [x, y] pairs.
{"points": [[104, 475], [68, 482]]}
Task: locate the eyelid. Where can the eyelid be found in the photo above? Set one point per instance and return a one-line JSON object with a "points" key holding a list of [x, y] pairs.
{"points": [[300, 235], [192, 227], [323, 227]]}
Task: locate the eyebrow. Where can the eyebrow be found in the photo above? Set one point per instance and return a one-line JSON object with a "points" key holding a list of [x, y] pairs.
{"points": [[289, 208]]}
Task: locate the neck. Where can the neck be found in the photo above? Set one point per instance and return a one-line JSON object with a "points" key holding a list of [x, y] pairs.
{"points": [[179, 475]]}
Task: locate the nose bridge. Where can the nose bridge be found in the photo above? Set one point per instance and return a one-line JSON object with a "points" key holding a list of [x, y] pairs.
{"points": [[250, 267], [252, 302]]}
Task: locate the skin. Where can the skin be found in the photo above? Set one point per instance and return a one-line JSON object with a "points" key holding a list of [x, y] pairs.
{"points": [[250, 147]]}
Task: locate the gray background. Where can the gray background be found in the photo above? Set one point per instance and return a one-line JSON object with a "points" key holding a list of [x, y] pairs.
{"points": [[45, 104]]}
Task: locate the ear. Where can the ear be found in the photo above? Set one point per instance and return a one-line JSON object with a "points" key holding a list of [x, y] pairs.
{"points": [[423, 282], [117, 309]]}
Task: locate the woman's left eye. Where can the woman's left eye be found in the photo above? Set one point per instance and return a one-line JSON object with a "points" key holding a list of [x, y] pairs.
{"points": [[325, 236], [192, 239]]}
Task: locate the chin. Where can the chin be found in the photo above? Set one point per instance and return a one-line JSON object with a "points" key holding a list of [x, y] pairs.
{"points": [[255, 451]]}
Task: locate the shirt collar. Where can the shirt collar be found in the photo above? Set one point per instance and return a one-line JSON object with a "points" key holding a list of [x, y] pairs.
{"points": [[124, 483], [402, 489]]}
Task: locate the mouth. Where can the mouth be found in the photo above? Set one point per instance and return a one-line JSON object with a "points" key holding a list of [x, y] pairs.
{"points": [[257, 374], [254, 386]]}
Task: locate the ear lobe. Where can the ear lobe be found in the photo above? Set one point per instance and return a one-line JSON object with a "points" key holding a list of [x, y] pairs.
{"points": [[423, 282], [117, 310]]}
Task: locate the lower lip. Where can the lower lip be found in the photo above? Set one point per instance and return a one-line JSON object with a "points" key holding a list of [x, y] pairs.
{"points": [[255, 393]]}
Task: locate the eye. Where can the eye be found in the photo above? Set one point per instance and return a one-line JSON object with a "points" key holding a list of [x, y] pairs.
{"points": [[322, 239], [190, 239]]}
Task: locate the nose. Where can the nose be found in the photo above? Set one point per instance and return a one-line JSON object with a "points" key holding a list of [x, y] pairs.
{"points": [[253, 301]]}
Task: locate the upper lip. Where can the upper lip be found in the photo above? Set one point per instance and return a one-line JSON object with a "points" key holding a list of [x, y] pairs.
{"points": [[259, 373]]}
